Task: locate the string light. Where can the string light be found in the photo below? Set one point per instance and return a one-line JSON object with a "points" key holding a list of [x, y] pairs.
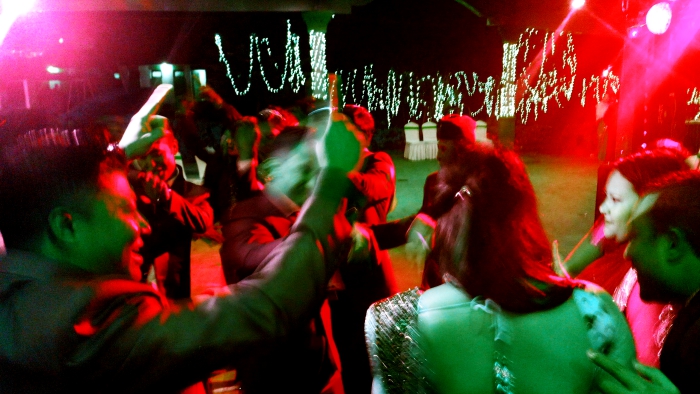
{"points": [[429, 96], [553, 83], [610, 82], [291, 71], [319, 72], [222, 59], [446, 90]]}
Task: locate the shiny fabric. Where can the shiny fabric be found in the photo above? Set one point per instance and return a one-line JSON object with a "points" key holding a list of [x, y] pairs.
{"points": [[650, 322], [398, 362], [390, 330]]}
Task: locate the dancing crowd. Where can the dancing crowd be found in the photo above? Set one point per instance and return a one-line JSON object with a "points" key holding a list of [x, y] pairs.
{"points": [[95, 272]]}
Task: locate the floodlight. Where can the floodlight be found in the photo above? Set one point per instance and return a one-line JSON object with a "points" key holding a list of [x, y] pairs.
{"points": [[576, 4], [659, 18]]}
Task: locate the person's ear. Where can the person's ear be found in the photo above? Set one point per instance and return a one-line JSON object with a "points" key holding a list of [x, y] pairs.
{"points": [[675, 245], [61, 225]]}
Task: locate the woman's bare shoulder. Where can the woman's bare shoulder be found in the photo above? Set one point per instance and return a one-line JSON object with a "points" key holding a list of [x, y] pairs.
{"points": [[442, 296]]}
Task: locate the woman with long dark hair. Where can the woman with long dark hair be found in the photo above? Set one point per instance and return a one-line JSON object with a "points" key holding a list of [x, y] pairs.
{"points": [[503, 322]]}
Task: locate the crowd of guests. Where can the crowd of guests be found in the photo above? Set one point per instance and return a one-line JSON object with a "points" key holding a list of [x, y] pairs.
{"points": [[96, 276]]}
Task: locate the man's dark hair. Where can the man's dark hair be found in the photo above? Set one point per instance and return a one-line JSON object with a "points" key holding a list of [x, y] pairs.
{"points": [[361, 118], [678, 206], [44, 169]]}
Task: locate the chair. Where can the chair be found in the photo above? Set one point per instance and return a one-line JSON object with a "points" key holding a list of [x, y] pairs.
{"points": [[430, 141], [413, 144], [480, 133]]}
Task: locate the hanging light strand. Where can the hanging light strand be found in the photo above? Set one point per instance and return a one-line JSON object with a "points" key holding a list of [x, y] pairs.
{"points": [[430, 96], [291, 70], [222, 59]]}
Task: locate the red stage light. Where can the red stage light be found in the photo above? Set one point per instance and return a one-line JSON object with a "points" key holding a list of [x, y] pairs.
{"points": [[659, 18]]}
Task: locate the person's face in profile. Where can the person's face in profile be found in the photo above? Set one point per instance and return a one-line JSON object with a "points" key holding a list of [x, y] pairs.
{"points": [[109, 235], [620, 199]]}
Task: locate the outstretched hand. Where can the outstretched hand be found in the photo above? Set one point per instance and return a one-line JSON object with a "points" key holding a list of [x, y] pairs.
{"points": [[146, 127], [643, 379], [339, 146]]}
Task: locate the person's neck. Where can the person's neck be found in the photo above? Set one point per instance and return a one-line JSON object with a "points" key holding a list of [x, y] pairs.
{"points": [[63, 257], [688, 282]]}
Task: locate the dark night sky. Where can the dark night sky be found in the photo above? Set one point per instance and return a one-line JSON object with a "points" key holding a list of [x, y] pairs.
{"points": [[407, 35]]}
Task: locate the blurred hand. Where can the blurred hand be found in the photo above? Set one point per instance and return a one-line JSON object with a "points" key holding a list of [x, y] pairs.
{"points": [[418, 238], [145, 126], [643, 379], [361, 244], [153, 188], [339, 146]]}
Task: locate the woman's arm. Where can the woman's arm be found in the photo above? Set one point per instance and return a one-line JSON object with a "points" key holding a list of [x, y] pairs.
{"points": [[588, 250]]}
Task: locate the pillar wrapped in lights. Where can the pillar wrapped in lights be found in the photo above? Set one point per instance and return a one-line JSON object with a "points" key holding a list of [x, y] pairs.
{"points": [[319, 72], [316, 23], [506, 93]]}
